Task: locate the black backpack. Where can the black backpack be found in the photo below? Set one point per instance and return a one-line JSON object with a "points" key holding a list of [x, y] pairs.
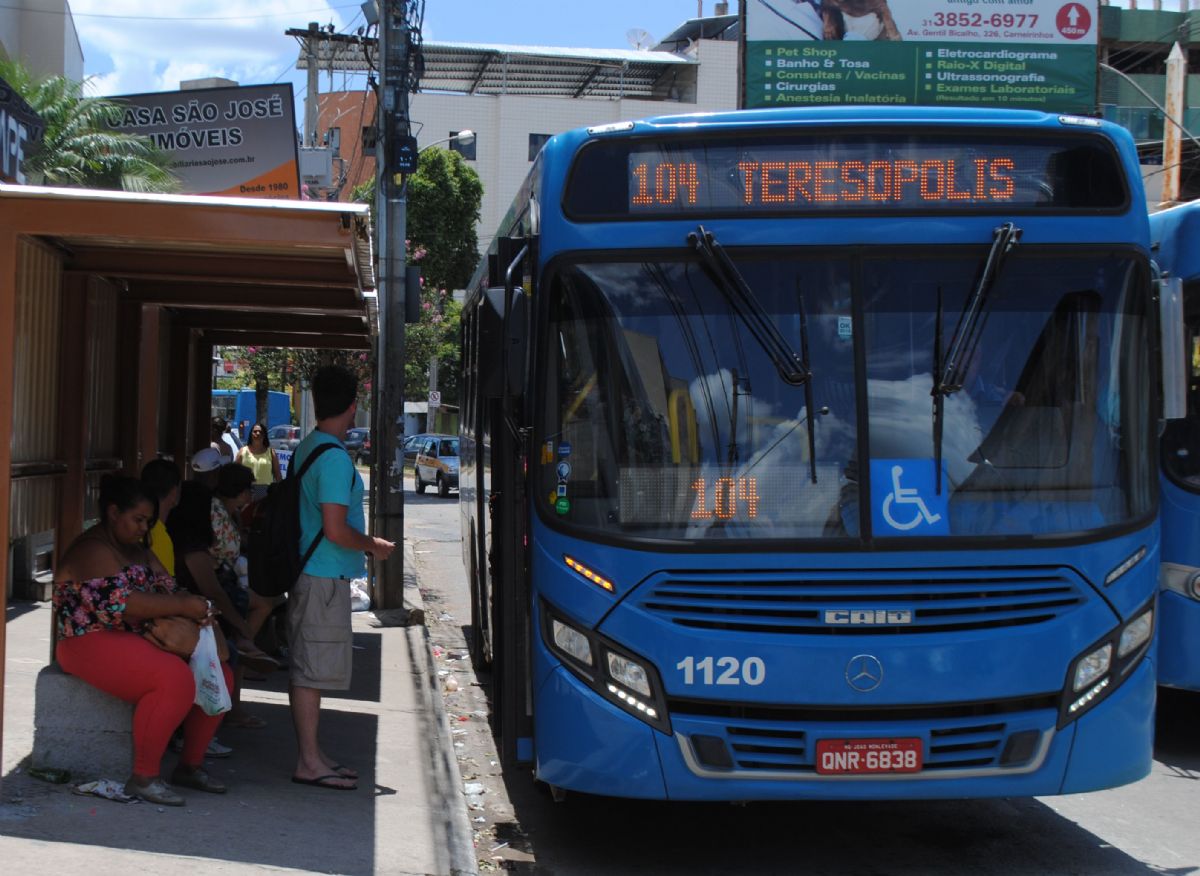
{"points": [[272, 545]]}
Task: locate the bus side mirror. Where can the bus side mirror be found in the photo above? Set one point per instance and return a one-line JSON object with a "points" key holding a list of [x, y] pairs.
{"points": [[516, 342], [1174, 348], [512, 346]]}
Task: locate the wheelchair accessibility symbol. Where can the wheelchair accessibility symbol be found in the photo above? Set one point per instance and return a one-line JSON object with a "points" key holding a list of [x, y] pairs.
{"points": [[905, 501]]}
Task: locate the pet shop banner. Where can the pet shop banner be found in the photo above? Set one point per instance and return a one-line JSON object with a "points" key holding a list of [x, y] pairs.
{"points": [[1015, 54]]}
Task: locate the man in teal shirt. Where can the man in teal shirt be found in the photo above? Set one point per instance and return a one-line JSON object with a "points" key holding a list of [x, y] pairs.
{"points": [[319, 635]]}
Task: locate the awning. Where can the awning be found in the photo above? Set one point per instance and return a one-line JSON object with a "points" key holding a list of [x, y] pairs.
{"points": [[290, 273]]}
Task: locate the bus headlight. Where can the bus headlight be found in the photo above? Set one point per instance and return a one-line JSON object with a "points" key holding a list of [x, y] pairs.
{"points": [[571, 642], [1092, 667], [1136, 633], [1099, 670], [629, 673], [619, 676]]}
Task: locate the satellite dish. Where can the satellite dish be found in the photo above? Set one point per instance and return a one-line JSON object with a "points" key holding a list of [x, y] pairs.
{"points": [[639, 39]]}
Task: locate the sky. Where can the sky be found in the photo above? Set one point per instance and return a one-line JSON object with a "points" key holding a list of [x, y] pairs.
{"points": [[135, 46]]}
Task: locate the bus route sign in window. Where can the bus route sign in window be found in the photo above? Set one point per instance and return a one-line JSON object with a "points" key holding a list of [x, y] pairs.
{"points": [[844, 173]]}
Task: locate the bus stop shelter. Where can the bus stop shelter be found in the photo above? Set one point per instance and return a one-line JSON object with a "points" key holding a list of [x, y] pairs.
{"points": [[110, 306]]}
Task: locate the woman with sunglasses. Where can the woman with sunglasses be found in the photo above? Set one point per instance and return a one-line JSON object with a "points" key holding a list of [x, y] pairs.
{"points": [[258, 456]]}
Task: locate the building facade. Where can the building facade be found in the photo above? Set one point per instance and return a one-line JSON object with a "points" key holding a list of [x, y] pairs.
{"points": [[41, 35], [514, 98]]}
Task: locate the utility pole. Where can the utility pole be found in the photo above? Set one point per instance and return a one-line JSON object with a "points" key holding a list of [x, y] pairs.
{"points": [[311, 102], [394, 144]]}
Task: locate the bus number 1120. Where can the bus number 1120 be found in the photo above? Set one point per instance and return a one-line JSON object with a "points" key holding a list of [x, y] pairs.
{"points": [[723, 670]]}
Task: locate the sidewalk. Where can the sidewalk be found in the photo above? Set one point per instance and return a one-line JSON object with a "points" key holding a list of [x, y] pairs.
{"points": [[408, 815]]}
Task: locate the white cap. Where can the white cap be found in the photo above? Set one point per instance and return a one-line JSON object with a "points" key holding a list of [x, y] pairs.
{"points": [[207, 459]]}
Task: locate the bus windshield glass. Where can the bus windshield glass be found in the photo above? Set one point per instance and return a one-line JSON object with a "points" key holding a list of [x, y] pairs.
{"points": [[664, 417]]}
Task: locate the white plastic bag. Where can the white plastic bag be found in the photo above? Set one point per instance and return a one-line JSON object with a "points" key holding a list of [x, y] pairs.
{"points": [[360, 600], [211, 693]]}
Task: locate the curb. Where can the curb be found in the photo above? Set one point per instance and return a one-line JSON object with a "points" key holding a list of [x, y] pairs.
{"points": [[447, 778]]}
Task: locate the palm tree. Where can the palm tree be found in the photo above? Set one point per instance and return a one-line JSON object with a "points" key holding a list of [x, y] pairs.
{"points": [[78, 148]]}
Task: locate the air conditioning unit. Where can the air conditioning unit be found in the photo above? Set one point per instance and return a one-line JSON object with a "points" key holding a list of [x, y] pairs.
{"points": [[31, 569]]}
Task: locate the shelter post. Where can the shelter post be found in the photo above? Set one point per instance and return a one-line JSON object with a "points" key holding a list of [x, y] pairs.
{"points": [[8, 319]]}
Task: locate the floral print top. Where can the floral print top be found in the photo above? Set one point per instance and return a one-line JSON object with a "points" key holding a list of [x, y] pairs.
{"points": [[227, 539], [82, 607]]}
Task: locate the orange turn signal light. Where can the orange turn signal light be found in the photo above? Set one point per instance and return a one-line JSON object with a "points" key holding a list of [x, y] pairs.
{"points": [[598, 580]]}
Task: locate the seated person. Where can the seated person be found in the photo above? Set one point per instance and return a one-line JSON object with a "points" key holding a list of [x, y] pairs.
{"points": [[230, 499], [190, 527], [107, 584]]}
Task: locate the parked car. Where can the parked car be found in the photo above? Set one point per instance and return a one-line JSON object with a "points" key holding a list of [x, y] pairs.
{"points": [[283, 437], [358, 443], [437, 463], [412, 444]]}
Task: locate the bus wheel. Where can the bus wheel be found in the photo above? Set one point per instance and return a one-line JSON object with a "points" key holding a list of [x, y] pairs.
{"points": [[557, 794], [479, 656]]}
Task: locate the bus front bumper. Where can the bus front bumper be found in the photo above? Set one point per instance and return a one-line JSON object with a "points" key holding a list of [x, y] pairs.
{"points": [[587, 744]]}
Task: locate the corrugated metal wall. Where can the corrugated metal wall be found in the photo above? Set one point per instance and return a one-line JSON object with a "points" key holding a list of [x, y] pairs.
{"points": [[36, 484], [34, 500], [102, 371], [103, 447]]}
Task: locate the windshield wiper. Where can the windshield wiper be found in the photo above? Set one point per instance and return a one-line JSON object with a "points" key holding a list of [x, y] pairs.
{"points": [[795, 370], [950, 370], [806, 366], [792, 368]]}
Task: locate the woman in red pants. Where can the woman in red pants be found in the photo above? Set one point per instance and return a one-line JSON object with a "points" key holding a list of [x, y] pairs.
{"points": [[106, 586]]}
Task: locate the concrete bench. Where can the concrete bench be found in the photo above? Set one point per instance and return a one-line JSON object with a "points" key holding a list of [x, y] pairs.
{"points": [[81, 729]]}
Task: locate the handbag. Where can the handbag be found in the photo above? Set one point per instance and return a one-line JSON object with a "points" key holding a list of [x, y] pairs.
{"points": [[175, 635]]}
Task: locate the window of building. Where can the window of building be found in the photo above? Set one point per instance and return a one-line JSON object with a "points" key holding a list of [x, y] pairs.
{"points": [[465, 149], [536, 142]]}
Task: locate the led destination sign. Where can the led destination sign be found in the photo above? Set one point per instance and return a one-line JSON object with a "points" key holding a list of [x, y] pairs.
{"points": [[938, 181], [910, 173]]}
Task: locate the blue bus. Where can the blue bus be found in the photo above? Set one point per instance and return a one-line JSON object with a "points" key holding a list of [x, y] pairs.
{"points": [[811, 454], [1175, 234], [239, 406]]}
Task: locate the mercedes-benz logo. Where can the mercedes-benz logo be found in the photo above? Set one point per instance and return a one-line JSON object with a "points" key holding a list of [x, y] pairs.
{"points": [[864, 673]]}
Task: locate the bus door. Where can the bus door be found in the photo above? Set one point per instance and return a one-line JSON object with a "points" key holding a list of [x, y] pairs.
{"points": [[507, 517]]}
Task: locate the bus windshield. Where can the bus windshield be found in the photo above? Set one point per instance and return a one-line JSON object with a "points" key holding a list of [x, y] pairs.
{"points": [[662, 417]]}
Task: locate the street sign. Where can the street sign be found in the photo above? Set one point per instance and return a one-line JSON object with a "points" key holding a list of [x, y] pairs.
{"points": [[435, 398]]}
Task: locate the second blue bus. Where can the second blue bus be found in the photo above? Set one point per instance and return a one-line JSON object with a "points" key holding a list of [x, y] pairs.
{"points": [[1176, 237], [240, 406]]}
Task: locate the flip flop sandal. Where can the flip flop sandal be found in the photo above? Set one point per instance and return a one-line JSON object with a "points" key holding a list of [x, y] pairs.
{"points": [[326, 782]]}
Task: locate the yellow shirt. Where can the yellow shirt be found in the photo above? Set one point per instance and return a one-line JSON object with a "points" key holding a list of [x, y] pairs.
{"points": [[260, 464], [162, 546]]}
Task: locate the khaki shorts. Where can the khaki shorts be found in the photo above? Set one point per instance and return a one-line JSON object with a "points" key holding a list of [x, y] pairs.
{"points": [[319, 638]]}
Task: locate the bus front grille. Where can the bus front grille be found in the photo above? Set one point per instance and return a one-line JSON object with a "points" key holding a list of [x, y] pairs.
{"points": [[786, 748], [890, 602]]}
